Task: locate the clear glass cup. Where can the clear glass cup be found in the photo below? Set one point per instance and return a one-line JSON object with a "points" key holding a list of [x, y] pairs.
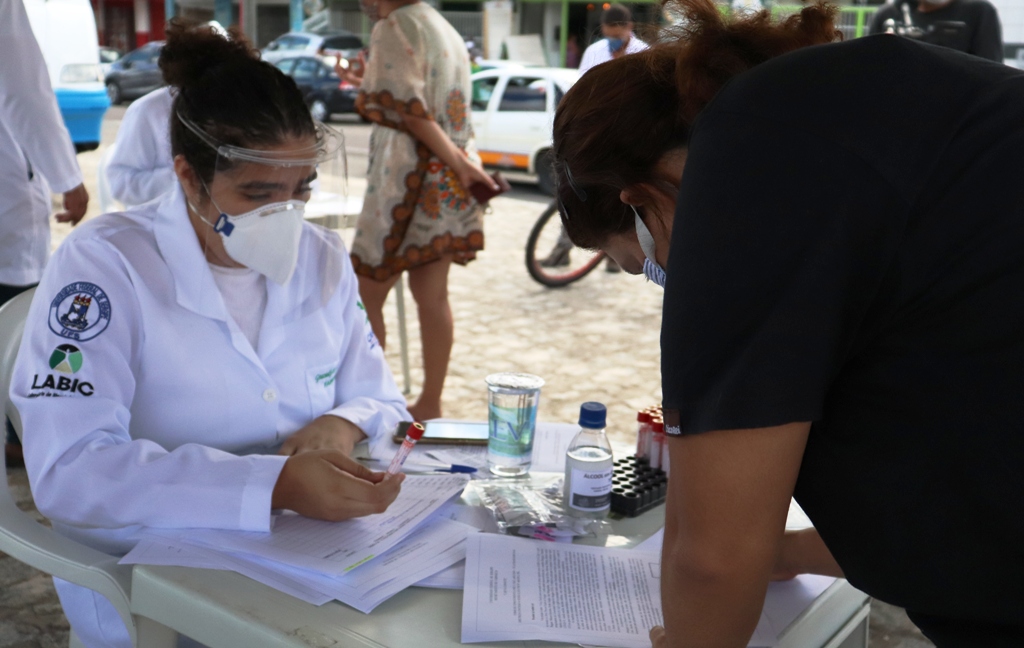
{"points": [[512, 400]]}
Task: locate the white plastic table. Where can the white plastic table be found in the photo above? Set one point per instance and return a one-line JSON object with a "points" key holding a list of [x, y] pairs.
{"points": [[226, 610]]}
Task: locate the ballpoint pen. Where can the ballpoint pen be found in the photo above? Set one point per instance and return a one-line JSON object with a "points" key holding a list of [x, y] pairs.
{"points": [[457, 468], [412, 435]]}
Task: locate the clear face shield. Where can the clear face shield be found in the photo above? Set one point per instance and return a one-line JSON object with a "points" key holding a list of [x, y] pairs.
{"points": [[270, 211]]}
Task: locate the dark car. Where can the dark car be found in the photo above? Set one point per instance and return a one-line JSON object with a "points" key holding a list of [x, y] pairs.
{"points": [[135, 74], [324, 91]]}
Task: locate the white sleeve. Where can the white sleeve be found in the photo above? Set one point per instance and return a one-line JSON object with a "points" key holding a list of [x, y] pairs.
{"points": [[366, 393], [28, 106], [84, 466], [136, 171], [591, 56]]}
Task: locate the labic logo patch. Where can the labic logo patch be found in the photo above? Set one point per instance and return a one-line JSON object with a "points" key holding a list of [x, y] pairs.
{"points": [[66, 359]]}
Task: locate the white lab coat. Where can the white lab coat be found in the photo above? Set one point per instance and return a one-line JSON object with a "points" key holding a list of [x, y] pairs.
{"points": [[153, 423], [598, 52], [35, 150], [141, 168]]}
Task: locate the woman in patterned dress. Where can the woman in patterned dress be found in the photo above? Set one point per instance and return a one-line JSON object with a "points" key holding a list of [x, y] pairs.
{"points": [[418, 215]]}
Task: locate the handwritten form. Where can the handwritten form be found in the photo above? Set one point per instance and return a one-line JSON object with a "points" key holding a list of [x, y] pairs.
{"points": [[519, 589], [336, 547]]}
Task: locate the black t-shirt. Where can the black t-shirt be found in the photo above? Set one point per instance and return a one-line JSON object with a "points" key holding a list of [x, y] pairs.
{"points": [[983, 36], [848, 249]]}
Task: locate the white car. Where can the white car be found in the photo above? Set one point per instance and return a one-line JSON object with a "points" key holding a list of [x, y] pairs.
{"points": [[513, 112], [308, 44]]}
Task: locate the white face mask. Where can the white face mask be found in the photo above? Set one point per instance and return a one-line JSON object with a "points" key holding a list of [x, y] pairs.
{"points": [[265, 239], [652, 270]]}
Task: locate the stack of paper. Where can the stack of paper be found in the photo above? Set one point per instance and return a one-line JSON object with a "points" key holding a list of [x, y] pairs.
{"points": [[361, 562]]}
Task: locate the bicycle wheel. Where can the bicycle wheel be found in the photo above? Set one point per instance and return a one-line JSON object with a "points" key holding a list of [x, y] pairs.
{"points": [[551, 259]]}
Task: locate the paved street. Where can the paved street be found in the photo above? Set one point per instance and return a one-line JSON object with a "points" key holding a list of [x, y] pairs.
{"points": [[595, 340]]}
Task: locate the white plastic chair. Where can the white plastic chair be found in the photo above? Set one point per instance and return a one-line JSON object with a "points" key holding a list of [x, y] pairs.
{"points": [[26, 540]]}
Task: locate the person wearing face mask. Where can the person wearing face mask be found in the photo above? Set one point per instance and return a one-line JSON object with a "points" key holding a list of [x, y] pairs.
{"points": [[842, 321], [980, 34], [619, 39], [198, 361]]}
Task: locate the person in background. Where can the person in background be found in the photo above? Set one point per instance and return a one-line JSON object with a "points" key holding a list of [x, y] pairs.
{"points": [[619, 39], [141, 167], [418, 214], [842, 315], [982, 36], [36, 157], [201, 360]]}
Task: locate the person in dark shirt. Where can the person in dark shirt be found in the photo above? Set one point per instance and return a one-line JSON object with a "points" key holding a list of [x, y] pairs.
{"points": [[981, 34], [843, 319]]}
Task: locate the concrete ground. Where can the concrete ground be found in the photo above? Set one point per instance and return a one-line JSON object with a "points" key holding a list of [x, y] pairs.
{"points": [[595, 340]]}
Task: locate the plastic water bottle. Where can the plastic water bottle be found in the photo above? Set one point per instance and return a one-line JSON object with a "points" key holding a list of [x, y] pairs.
{"points": [[588, 466]]}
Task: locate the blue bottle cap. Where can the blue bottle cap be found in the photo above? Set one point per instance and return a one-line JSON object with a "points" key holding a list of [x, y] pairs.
{"points": [[592, 415]]}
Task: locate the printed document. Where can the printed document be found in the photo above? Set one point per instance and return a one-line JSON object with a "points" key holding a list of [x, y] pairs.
{"points": [[337, 547], [784, 601], [518, 589]]}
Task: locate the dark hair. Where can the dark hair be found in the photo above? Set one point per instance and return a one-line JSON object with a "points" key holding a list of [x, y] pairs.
{"points": [[616, 15], [618, 121], [228, 92]]}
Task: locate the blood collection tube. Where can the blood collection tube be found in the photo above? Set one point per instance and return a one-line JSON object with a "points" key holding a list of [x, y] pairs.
{"points": [[643, 431], [657, 440], [412, 435]]}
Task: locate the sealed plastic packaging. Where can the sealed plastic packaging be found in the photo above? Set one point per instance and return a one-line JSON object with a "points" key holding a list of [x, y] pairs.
{"points": [[534, 512]]}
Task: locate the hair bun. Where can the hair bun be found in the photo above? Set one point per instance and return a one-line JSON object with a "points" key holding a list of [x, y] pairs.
{"points": [[192, 49]]}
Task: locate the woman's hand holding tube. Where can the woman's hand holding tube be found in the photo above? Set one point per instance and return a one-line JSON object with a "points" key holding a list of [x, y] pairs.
{"points": [[327, 485], [322, 433]]}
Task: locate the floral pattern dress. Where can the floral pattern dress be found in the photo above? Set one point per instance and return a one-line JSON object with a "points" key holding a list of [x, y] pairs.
{"points": [[415, 211]]}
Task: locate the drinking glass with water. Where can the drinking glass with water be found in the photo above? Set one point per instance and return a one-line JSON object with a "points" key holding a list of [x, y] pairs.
{"points": [[512, 400]]}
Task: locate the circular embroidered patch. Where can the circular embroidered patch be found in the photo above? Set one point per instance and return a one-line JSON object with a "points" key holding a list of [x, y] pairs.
{"points": [[80, 311]]}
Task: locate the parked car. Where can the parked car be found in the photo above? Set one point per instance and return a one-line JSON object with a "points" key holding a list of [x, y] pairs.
{"points": [[325, 93], [108, 56], [513, 113], [135, 74], [309, 44]]}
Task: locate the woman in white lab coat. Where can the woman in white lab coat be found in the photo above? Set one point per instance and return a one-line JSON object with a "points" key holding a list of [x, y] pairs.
{"points": [[200, 361], [36, 156], [140, 167]]}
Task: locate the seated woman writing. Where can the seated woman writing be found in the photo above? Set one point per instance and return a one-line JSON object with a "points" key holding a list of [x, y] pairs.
{"points": [[199, 361]]}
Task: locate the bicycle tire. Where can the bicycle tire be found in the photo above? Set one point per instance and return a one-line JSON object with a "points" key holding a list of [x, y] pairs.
{"points": [[551, 277]]}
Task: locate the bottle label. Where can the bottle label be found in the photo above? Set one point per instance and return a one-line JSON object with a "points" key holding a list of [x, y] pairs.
{"points": [[591, 490]]}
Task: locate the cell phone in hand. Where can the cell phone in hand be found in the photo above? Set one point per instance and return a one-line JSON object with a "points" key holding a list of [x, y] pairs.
{"points": [[483, 193]]}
